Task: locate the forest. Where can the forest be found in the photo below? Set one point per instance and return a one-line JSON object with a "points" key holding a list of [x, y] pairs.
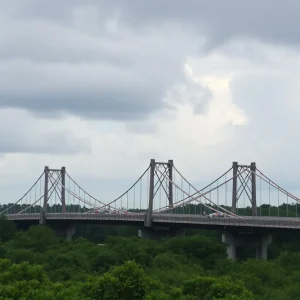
{"points": [[37, 264]]}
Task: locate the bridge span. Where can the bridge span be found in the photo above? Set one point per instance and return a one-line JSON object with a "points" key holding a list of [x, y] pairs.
{"points": [[162, 200], [168, 220]]}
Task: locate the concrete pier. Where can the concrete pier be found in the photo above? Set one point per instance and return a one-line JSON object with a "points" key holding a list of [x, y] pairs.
{"points": [[70, 231], [230, 240], [260, 240], [262, 247]]}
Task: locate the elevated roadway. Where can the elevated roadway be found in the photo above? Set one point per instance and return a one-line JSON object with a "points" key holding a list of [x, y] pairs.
{"points": [[165, 220]]}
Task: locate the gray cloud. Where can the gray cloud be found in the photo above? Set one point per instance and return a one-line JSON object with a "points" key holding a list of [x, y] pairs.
{"points": [[49, 143], [21, 134], [273, 20], [192, 93], [35, 89], [59, 59], [271, 105], [266, 99], [142, 127], [117, 60]]}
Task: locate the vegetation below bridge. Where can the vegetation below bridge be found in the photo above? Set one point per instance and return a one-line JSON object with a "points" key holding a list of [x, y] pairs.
{"points": [[36, 264]]}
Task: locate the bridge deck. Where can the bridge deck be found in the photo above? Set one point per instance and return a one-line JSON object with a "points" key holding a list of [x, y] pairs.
{"points": [[176, 220]]}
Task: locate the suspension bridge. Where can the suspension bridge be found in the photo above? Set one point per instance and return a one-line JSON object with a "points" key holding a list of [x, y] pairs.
{"points": [[242, 198]]}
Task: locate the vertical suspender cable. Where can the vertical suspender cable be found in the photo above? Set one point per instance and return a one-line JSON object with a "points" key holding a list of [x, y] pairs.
{"points": [[134, 197], [127, 202], [79, 202], [182, 195], [226, 190], [189, 203], [167, 198], [260, 196], [218, 193], [269, 199], [41, 196], [278, 204], [141, 187], [148, 185], [287, 205], [159, 198], [35, 198]]}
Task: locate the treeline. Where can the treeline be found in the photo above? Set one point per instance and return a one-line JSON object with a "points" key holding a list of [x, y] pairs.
{"points": [[10, 208], [36, 264], [284, 210]]}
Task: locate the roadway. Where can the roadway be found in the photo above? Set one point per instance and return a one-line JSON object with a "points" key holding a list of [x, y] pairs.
{"points": [[163, 220]]}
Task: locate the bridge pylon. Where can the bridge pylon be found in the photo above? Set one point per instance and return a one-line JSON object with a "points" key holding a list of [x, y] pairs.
{"points": [[242, 174], [48, 175], [155, 179]]}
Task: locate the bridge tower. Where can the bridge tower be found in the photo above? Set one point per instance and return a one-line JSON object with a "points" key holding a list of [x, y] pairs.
{"points": [[60, 175], [242, 174], [154, 179]]}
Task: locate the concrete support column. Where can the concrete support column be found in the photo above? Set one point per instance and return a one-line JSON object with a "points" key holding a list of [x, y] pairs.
{"points": [[70, 231], [230, 241], [262, 247]]}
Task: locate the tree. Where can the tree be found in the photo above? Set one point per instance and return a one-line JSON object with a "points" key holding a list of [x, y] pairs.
{"points": [[125, 282], [25, 281], [7, 229], [40, 237], [206, 288]]}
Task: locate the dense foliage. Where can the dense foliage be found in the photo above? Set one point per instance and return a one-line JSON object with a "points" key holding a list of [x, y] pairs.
{"points": [[36, 264]]}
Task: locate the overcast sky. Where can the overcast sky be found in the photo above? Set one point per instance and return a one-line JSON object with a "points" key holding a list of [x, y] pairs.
{"points": [[102, 87]]}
